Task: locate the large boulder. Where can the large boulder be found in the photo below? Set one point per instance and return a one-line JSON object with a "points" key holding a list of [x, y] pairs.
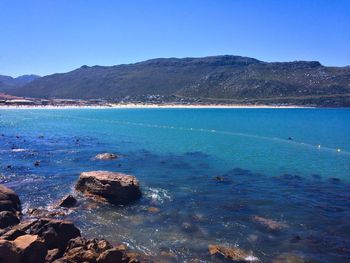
{"points": [[9, 200], [55, 233], [31, 248], [116, 188]]}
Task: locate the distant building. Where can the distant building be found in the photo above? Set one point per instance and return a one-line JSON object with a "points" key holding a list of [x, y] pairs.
{"points": [[19, 102]]}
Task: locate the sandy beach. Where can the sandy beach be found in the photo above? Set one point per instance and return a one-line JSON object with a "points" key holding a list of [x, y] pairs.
{"points": [[151, 106]]}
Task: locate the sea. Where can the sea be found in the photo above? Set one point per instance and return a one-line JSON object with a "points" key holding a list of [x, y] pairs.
{"points": [[210, 173]]}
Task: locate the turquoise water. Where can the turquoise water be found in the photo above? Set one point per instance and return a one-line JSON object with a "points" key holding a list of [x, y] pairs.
{"points": [[176, 154]]}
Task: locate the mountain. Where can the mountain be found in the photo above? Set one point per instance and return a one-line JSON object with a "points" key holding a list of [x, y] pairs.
{"points": [[227, 79], [8, 83]]}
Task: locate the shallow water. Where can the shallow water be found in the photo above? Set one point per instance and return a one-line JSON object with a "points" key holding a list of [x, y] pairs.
{"points": [[176, 154]]}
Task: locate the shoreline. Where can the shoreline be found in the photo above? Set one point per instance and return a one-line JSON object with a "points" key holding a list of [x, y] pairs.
{"points": [[153, 106]]}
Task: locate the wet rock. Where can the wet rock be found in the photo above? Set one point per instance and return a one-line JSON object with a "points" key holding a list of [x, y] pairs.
{"points": [[288, 258], [8, 218], [9, 200], [231, 253], [269, 223], [68, 201], [153, 209], [55, 233], [31, 248], [106, 156], [8, 252], [37, 163], [116, 188]]}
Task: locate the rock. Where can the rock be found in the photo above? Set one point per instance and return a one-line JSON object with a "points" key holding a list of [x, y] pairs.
{"points": [[106, 156], [52, 255], [80, 249], [9, 200], [43, 212], [232, 253], [8, 252], [269, 223], [111, 256], [55, 233], [36, 163], [133, 257], [80, 254], [68, 201], [12, 234], [153, 209], [116, 188], [31, 248], [8, 218], [218, 178]]}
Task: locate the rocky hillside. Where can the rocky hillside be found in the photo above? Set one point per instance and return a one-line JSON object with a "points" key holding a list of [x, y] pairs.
{"points": [[227, 79], [8, 83]]}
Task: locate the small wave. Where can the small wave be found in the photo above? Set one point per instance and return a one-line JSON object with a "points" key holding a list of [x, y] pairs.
{"points": [[19, 150], [158, 195]]}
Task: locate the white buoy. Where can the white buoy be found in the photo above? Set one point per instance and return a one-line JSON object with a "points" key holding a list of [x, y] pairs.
{"points": [[338, 150], [319, 146]]}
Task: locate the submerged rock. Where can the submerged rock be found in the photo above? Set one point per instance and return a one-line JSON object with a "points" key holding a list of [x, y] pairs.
{"points": [[116, 188], [269, 223], [288, 258], [232, 253], [106, 156], [9, 200], [68, 201], [153, 209]]}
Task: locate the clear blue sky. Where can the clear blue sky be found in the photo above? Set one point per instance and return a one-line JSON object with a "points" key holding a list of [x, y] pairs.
{"points": [[44, 37]]}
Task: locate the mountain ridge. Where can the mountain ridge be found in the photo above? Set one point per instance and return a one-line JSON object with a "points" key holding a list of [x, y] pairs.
{"points": [[211, 78], [8, 82]]}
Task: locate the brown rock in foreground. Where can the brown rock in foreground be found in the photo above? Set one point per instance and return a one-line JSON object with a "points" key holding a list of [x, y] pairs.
{"points": [[116, 188], [232, 253], [31, 248], [55, 233], [106, 156], [8, 252]]}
